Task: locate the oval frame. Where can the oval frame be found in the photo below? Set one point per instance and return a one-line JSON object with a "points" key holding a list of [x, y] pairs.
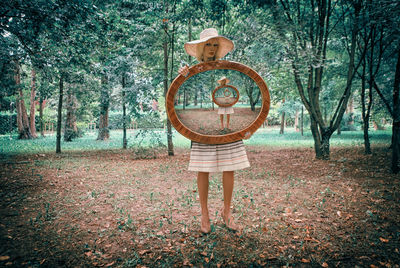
{"points": [[229, 104], [217, 139]]}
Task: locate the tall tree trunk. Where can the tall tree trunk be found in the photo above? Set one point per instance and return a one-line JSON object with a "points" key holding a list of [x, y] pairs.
{"points": [[396, 119], [169, 128], [282, 129], [104, 132], [196, 89], [365, 113], [70, 130], [124, 140], [350, 113], [22, 116], [32, 107], [41, 108], [296, 121], [59, 113], [302, 121]]}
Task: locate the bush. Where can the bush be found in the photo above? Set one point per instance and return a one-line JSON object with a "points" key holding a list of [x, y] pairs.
{"points": [[5, 123], [115, 120]]}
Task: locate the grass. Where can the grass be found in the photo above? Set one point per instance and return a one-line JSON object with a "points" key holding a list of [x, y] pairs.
{"points": [[264, 136]]}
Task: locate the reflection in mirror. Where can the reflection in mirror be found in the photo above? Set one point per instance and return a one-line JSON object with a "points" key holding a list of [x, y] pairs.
{"points": [[201, 113]]}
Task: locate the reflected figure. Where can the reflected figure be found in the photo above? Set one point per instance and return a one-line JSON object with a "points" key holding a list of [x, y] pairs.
{"points": [[206, 158], [225, 110]]}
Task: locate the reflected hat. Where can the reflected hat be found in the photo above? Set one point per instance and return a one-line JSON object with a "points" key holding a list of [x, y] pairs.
{"points": [[225, 45], [223, 80]]}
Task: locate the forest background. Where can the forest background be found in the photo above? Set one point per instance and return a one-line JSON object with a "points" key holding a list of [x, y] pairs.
{"points": [[93, 174], [108, 64]]}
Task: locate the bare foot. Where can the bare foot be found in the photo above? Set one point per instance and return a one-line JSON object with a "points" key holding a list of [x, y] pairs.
{"points": [[205, 226], [228, 220]]}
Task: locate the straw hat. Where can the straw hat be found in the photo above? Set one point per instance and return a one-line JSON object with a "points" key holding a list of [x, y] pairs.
{"points": [[195, 48], [223, 81]]}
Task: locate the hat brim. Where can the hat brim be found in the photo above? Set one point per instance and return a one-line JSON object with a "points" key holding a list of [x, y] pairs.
{"points": [[224, 79], [225, 46]]}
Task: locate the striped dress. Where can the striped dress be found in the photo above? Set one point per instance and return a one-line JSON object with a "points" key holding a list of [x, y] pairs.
{"points": [[225, 110], [218, 157]]}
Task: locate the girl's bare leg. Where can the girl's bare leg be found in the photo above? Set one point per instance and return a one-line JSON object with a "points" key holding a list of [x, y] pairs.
{"points": [[228, 117], [202, 186], [227, 183], [221, 116]]}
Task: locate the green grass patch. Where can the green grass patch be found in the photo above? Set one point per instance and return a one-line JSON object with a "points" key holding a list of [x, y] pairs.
{"points": [[263, 137]]}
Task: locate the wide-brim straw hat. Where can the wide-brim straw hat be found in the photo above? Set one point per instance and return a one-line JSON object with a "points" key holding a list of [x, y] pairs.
{"points": [[223, 81], [225, 44]]}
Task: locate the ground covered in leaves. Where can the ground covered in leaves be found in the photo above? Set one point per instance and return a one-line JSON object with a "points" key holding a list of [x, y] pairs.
{"points": [[110, 209], [208, 122]]}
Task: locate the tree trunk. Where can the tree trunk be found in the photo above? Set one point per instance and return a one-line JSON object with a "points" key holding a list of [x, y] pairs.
{"points": [[41, 108], [302, 121], [32, 107], [71, 130], [22, 116], [396, 119], [350, 113], [169, 129], [282, 130], [196, 89], [296, 121], [104, 132], [124, 140], [59, 113]]}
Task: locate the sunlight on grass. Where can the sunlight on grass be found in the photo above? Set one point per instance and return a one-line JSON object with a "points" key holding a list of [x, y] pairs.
{"points": [[263, 137]]}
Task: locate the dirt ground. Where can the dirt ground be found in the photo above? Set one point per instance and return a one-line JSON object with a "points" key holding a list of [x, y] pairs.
{"points": [[110, 209], [207, 121]]}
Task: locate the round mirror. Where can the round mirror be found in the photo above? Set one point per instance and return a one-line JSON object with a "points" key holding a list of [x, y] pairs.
{"points": [[225, 95], [218, 102]]}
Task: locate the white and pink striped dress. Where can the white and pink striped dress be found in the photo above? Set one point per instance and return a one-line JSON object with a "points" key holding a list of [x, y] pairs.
{"points": [[218, 157]]}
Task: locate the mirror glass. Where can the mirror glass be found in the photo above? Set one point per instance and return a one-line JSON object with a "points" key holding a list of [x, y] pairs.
{"points": [[203, 103]]}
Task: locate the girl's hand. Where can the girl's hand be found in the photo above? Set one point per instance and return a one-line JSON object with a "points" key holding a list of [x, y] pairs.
{"points": [[184, 70]]}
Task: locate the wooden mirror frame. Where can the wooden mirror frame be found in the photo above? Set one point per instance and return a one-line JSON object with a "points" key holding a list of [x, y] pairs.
{"points": [[217, 139], [229, 104]]}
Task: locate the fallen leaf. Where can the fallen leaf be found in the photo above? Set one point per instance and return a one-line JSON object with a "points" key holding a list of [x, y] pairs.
{"points": [[339, 213], [203, 253], [383, 240], [373, 266], [324, 265], [4, 258], [207, 260], [110, 264], [305, 260], [144, 251]]}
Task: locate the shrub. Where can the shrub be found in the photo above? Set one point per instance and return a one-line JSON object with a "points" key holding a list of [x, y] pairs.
{"points": [[6, 125]]}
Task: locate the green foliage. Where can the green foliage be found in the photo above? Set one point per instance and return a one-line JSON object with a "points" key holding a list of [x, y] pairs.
{"points": [[8, 123]]}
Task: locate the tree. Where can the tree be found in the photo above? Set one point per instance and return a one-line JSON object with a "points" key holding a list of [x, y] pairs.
{"points": [[306, 28], [22, 116], [32, 106]]}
